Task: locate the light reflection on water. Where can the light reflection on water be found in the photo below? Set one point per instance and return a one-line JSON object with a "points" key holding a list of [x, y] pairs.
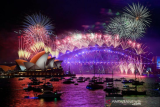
{"points": [[74, 95]]}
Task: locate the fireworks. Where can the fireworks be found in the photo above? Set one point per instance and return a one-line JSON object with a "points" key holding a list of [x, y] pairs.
{"points": [[130, 65], [37, 46], [125, 44], [24, 54], [119, 25], [92, 39], [36, 35], [126, 28], [132, 24], [140, 19], [139, 48], [115, 41], [38, 20], [139, 14], [37, 27], [53, 53], [123, 66], [122, 31], [77, 41], [139, 65]]}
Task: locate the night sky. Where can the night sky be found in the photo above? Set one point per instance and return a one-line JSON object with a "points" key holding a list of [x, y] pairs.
{"points": [[70, 15]]}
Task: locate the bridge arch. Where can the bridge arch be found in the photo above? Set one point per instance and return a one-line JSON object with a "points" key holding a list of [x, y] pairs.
{"points": [[103, 59]]}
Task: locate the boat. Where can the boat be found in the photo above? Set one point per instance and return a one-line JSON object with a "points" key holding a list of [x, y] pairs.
{"points": [[137, 83], [85, 79], [75, 83], [131, 80], [93, 86], [34, 79], [109, 83], [157, 89], [99, 81], [109, 80], [62, 78], [37, 89], [129, 88], [54, 79], [50, 94], [157, 84], [51, 79], [70, 78], [117, 80], [30, 77], [21, 78], [125, 86], [73, 77], [126, 81], [34, 83], [80, 79], [111, 89], [132, 92], [29, 88], [40, 81], [47, 86], [122, 78], [92, 80], [43, 78], [88, 78], [26, 96], [67, 81]]}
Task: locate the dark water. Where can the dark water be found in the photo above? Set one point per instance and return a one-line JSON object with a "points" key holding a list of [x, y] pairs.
{"points": [[12, 94]]}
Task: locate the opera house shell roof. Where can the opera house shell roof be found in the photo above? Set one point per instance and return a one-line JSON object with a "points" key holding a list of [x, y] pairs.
{"points": [[7, 68], [40, 61]]}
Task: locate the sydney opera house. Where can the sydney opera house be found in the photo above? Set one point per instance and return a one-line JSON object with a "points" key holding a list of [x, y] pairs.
{"points": [[40, 65]]}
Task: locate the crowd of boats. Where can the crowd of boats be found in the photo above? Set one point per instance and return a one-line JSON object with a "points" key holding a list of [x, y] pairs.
{"points": [[94, 83], [45, 89]]}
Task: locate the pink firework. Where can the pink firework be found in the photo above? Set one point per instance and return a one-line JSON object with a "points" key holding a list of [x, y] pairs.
{"points": [[139, 65], [121, 66], [139, 48], [125, 43], [37, 33], [115, 41]]}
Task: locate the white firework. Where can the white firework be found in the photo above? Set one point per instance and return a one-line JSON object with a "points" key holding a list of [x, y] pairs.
{"points": [[138, 13], [121, 26]]}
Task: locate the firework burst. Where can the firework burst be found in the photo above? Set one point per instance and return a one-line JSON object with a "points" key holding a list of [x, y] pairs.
{"points": [[140, 65], [38, 19], [126, 28], [120, 26], [138, 13]]}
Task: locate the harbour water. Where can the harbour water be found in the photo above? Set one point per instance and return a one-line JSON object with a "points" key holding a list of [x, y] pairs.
{"points": [[12, 93]]}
